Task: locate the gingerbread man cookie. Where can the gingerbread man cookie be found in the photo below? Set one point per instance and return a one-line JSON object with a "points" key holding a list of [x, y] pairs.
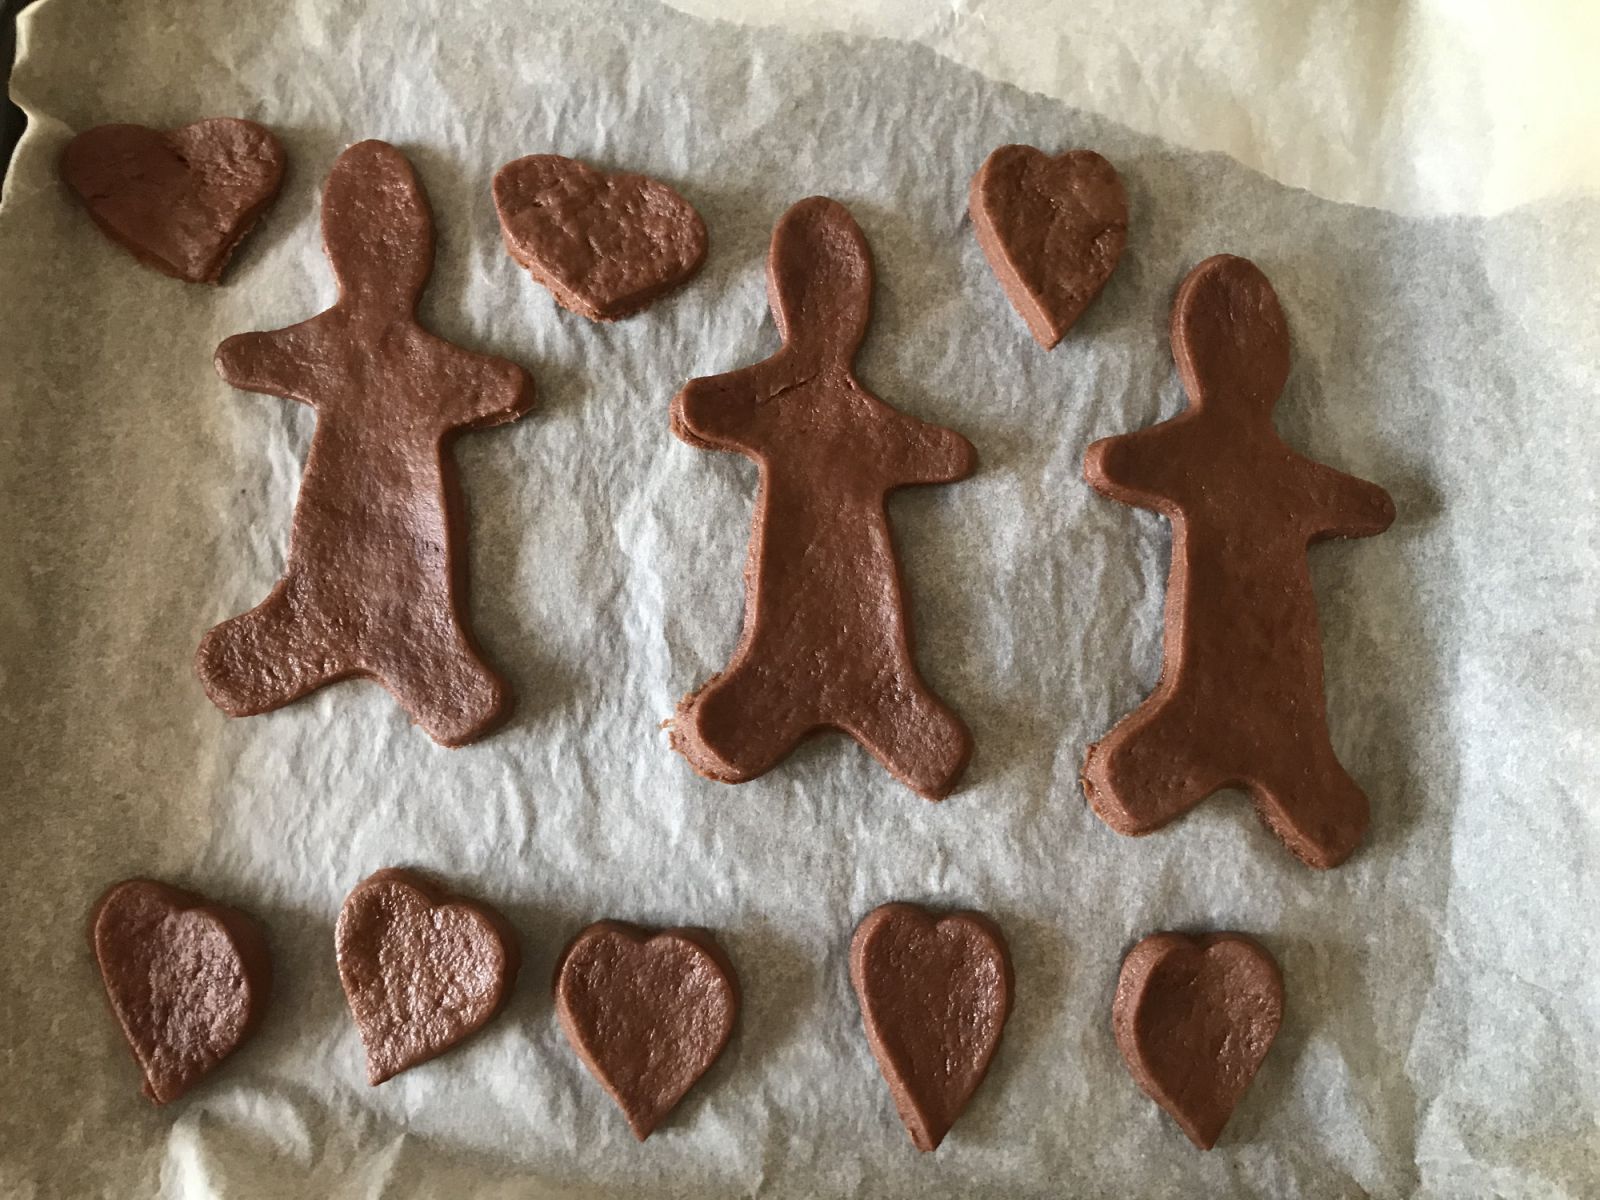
{"points": [[1240, 701], [826, 643], [375, 580]]}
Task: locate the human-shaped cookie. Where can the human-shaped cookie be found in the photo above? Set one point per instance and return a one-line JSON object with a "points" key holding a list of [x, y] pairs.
{"points": [[1240, 700], [375, 581], [826, 642]]}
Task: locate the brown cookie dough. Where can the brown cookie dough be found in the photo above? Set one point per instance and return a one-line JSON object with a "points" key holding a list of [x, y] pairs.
{"points": [[187, 980], [178, 201], [826, 642], [375, 583], [1240, 701], [648, 1013], [1052, 230], [606, 245], [1194, 1017], [422, 969], [935, 993]]}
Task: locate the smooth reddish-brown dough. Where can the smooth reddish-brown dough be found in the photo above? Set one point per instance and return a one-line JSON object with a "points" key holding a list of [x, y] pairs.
{"points": [[178, 201], [1052, 230], [1194, 1017], [826, 642], [422, 969], [605, 245], [187, 980], [1239, 702], [648, 1013], [935, 993], [375, 583]]}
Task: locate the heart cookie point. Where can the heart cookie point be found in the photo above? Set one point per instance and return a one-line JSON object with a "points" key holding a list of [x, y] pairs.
{"points": [[187, 980], [422, 969], [605, 245], [935, 993], [1194, 1017], [1052, 228], [647, 1013], [179, 201]]}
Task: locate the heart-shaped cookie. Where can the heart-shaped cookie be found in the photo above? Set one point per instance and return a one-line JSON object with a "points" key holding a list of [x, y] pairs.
{"points": [[187, 980], [1194, 1017], [605, 245], [421, 969], [935, 993], [178, 201], [1052, 230], [647, 1013]]}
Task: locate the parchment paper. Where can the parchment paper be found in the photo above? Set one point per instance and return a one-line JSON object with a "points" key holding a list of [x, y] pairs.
{"points": [[1443, 1010]]}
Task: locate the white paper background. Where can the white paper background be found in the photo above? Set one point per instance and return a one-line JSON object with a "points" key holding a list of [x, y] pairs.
{"points": [[1442, 985]]}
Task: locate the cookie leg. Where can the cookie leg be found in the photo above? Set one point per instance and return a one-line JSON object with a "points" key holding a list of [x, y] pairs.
{"points": [[1320, 813], [265, 658], [446, 688], [740, 725], [920, 741], [1148, 770]]}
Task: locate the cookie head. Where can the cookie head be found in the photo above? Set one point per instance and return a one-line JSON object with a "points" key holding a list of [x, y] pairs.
{"points": [[1229, 335], [819, 278], [377, 227]]}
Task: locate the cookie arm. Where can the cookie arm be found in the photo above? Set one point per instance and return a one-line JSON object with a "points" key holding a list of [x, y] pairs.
{"points": [[281, 362], [721, 411], [925, 453], [492, 391], [1137, 468], [1342, 506]]}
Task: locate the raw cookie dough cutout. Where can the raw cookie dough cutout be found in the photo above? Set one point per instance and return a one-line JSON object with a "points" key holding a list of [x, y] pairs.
{"points": [[1194, 1017], [187, 980], [1052, 230], [375, 583], [647, 1012], [826, 641], [935, 992], [179, 201], [422, 969], [1240, 700], [606, 245]]}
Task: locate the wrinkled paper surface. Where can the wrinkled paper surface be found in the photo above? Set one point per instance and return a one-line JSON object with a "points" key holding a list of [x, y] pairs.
{"points": [[1443, 1009]]}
